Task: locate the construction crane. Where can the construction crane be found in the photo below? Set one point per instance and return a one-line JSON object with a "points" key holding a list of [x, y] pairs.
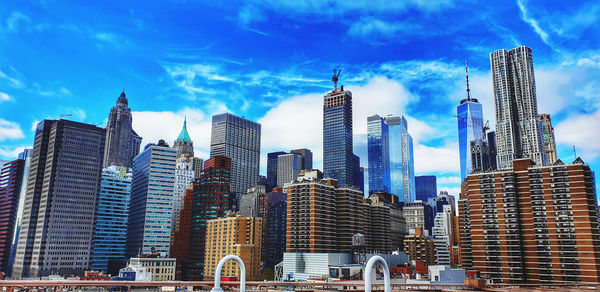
{"points": [[335, 78], [483, 129]]}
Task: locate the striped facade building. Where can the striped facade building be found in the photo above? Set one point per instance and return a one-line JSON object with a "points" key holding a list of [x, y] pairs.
{"points": [[533, 224]]}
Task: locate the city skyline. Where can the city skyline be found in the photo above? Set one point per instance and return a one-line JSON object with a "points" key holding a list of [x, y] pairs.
{"points": [[190, 80]]}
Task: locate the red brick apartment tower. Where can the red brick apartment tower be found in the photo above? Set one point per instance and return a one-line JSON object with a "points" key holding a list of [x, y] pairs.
{"points": [[180, 248], [535, 224], [311, 218]]}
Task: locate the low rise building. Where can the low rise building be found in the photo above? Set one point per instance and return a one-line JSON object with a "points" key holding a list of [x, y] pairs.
{"points": [[160, 269]]}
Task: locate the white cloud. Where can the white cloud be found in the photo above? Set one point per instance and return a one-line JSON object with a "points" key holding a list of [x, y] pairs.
{"points": [[533, 23], [448, 180], [580, 130], [109, 38], [15, 20], [442, 159], [10, 130], [249, 14], [152, 126], [14, 82], [11, 152], [376, 29], [4, 97]]}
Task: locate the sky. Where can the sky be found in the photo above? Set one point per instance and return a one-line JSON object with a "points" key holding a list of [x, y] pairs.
{"points": [[271, 62]]}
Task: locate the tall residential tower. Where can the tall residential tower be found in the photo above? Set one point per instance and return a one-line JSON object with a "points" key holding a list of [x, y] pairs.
{"points": [[519, 133]]}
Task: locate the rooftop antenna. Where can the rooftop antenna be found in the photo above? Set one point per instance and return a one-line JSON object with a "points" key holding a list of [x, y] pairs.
{"points": [[574, 152], [467, 75], [335, 78]]}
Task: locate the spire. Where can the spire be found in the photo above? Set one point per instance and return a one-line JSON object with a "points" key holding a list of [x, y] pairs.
{"points": [[467, 75], [122, 98], [184, 136]]}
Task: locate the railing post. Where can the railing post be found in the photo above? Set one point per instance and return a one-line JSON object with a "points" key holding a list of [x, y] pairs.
{"points": [[386, 273], [217, 287]]}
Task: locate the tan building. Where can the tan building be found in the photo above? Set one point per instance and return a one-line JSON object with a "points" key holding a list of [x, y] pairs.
{"points": [[420, 247], [533, 224], [233, 235], [350, 217], [161, 269]]}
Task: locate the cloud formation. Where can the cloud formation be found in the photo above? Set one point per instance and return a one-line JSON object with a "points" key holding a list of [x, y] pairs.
{"points": [[10, 130]]}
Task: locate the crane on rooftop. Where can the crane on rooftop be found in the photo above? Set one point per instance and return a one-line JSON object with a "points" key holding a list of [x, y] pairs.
{"points": [[335, 78]]}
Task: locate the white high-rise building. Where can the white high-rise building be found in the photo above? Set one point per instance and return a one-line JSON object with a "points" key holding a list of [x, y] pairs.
{"points": [[519, 133], [184, 175], [441, 235], [288, 168]]}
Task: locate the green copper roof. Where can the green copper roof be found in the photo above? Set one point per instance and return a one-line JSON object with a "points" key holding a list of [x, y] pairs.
{"points": [[184, 136]]}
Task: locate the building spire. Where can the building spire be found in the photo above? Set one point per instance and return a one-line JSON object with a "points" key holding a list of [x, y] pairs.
{"points": [[467, 75]]}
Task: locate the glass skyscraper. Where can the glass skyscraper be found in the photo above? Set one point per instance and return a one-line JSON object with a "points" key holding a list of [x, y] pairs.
{"points": [[425, 187], [378, 145], [110, 235], [470, 127], [402, 161], [151, 205], [361, 150], [238, 139], [338, 157]]}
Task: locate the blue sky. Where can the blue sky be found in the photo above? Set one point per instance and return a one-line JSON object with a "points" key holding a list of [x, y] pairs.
{"points": [[271, 61]]}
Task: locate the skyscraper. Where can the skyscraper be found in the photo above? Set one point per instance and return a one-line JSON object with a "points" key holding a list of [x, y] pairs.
{"points": [[519, 133], [183, 143], [425, 187], [470, 127], [26, 156], [238, 139], [272, 169], [379, 154], [338, 157], [212, 198], [184, 175], [402, 161], [361, 149], [112, 211], [56, 234], [11, 180], [288, 168], [151, 205], [549, 142], [121, 140], [275, 240], [306, 161], [491, 140]]}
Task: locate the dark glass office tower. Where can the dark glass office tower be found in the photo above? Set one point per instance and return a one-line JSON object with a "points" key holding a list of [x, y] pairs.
{"points": [[338, 157], [426, 187], [272, 169], [58, 216]]}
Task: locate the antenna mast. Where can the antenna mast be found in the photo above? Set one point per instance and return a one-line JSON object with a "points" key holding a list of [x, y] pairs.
{"points": [[467, 76], [335, 78], [574, 152]]}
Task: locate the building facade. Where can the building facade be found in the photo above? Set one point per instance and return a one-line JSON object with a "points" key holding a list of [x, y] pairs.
{"points": [[418, 214], [519, 133], [442, 233], [275, 241], [233, 235], [184, 175], [402, 161], [112, 213], [121, 141], [151, 205], [11, 181], [160, 268], [56, 235], [532, 224], [379, 154], [26, 156], [425, 187], [238, 139], [549, 142], [288, 168], [311, 217], [420, 247], [272, 169], [306, 161], [338, 157]]}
